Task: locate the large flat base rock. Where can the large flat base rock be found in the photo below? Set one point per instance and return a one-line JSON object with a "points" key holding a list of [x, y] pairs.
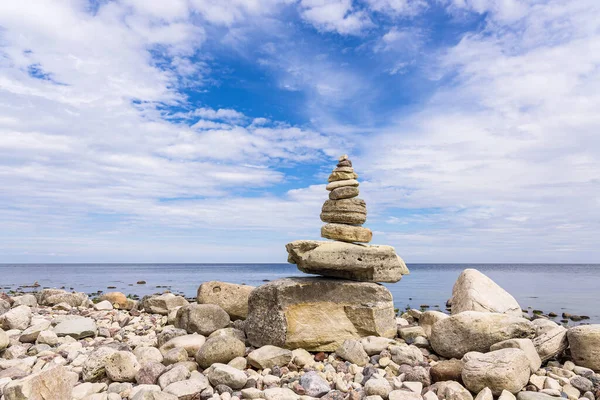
{"points": [[318, 314], [366, 263]]}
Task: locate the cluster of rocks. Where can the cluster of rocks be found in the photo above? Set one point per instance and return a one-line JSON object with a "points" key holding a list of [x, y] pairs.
{"points": [[345, 302], [56, 345]]}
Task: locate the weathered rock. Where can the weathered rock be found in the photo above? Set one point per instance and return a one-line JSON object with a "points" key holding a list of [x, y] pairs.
{"points": [[406, 395], [534, 396], [448, 370], [122, 366], [450, 390], [16, 318], [77, 328], [176, 374], [117, 299], [341, 176], [221, 374], [51, 384], [375, 345], [318, 314], [31, 334], [149, 373], [543, 325], [353, 351], [4, 341], [201, 318], [104, 305], [473, 291], [163, 304], [146, 354], [346, 233], [230, 297], [52, 297], [524, 344], [314, 385], [551, 343], [338, 184], [94, 366], [233, 332], [428, 318], [174, 356], [378, 387], [280, 394], [346, 211], [269, 356], [459, 334], [505, 369], [584, 341], [191, 343], [4, 306], [153, 396], [189, 389], [344, 192], [28, 300], [219, 349], [409, 355], [347, 260]]}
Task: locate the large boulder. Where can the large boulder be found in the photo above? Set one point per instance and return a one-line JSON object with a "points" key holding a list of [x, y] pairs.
{"points": [[54, 383], [219, 349], [428, 318], [201, 318], [318, 314], [459, 334], [524, 344], [230, 297], [368, 263], [584, 341], [4, 340], [473, 291], [504, 369], [17, 318], [52, 297], [163, 304], [552, 343]]}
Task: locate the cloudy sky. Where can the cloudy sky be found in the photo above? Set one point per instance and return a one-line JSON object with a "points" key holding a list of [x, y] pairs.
{"points": [[204, 130]]}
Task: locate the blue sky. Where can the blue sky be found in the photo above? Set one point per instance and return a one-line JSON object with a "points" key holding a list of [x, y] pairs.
{"points": [[204, 130]]}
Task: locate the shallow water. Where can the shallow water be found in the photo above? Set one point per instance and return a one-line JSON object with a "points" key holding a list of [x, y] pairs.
{"points": [[548, 287]]}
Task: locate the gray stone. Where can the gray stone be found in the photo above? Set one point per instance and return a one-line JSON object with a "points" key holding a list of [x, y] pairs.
{"points": [[552, 343], [176, 374], [406, 395], [280, 394], [31, 334], [428, 318], [534, 396], [344, 192], [189, 389], [201, 318], [378, 387], [269, 356], [16, 318], [409, 355], [230, 297], [473, 291], [584, 341], [450, 390], [77, 328], [153, 396], [459, 334], [191, 343], [52, 297], [318, 314], [53, 383], [505, 369], [314, 385], [353, 351], [4, 340], [28, 300], [581, 383], [163, 304], [149, 373], [375, 345], [219, 349], [345, 211], [346, 233], [146, 354], [221, 374], [347, 260], [524, 344]]}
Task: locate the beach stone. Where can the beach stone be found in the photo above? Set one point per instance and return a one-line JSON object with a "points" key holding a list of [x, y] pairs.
{"points": [[584, 341], [94, 366], [534, 396], [28, 300], [428, 318], [220, 349], [504, 369], [543, 325], [338, 184], [280, 394], [269, 356], [122, 366], [77, 328], [230, 297], [302, 358], [450, 390], [4, 306], [581, 383], [163, 304], [174, 356], [176, 374], [233, 332], [146, 354], [116, 299], [552, 343], [16, 318], [221, 374], [149, 373], [53, 383], [346, 211], [378, 387], [318, 314], [4, 340], [353, 351], [344, 192], [474, 291], [346, 260], [314, 385], [375, 344], [342, 176], [459, 334], [169, 332], [447, 370], [409, 355], [104, 305], [189, 389], [201, 318], [52, 297], [31, 334], [346, 233], [405, 395], [153, 396], [524, 344], [191, 343]]}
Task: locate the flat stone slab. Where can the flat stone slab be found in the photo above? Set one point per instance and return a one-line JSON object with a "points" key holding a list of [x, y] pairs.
{"points": [[318, 314], [346, 233], [78, 328], [366, 263]]}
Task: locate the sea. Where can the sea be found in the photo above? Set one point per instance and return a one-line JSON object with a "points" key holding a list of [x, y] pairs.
{"points": [[557, 288]]}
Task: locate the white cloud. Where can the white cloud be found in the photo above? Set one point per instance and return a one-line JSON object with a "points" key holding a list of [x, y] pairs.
{"points": [[398, 7], [335, 16]]}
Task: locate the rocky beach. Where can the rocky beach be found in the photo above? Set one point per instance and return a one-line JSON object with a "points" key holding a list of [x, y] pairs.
{"points": [[336, 336]]}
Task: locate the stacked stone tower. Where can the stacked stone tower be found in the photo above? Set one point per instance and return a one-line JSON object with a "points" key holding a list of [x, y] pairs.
{"points": [[345, 301]]}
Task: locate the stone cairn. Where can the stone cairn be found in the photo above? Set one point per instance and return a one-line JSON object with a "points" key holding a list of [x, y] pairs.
{"points": [[346, 301]]}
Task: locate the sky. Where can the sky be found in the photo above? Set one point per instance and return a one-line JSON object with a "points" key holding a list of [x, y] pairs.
{"points": [[204, 130]]}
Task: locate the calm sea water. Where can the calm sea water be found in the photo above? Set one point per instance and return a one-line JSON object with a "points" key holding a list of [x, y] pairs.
{"points": [[549, 287]]}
